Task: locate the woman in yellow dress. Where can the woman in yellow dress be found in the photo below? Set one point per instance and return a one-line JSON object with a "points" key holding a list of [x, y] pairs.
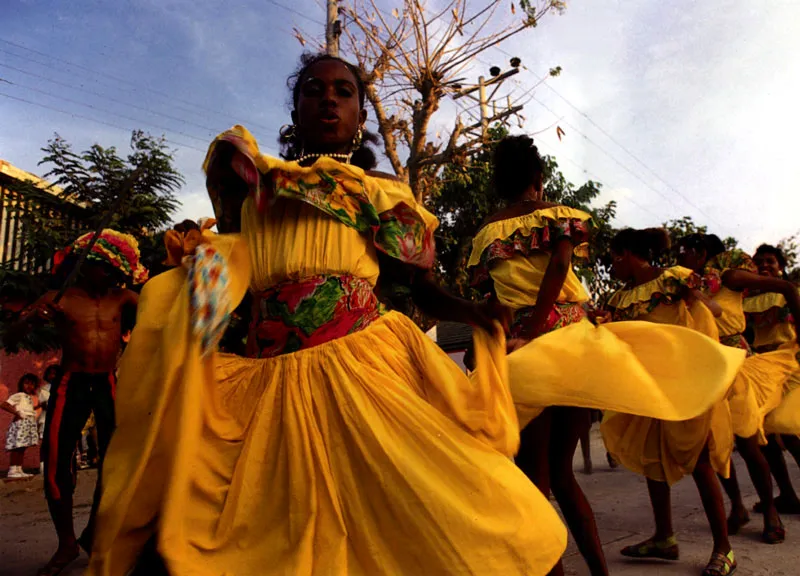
{"points": [[759, 386], [665, 452], [523, 257], [348, 443], [772, 326]]}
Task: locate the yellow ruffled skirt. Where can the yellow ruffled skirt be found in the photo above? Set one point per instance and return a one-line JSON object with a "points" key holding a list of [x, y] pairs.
{"points": [[371, 454], [641, 368], [762, 385], [785, 419], [668, 451]]}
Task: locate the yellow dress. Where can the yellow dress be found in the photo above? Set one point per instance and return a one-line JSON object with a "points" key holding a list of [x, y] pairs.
{"points": [[759, 386], [773, 329], [350, 444], [633, 367], [659, 450]]}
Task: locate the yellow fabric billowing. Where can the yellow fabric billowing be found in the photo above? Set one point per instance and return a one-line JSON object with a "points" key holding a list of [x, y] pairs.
{"points": [[641, 368], [759, 389], [517, 279], [759, 386], [371, 454], [661, 450], [785, 419]]}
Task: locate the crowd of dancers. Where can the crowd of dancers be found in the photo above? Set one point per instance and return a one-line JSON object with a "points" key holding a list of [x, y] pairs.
{"points": [[344, 441]]}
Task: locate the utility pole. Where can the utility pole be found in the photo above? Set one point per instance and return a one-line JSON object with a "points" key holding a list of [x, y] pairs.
{"points": [[480, 130], [333, 29]]}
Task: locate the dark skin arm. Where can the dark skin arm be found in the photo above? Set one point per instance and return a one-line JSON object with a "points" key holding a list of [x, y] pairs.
{"points": [[740, 280], [227, 189], [436, 302], [552, 283], [692, 295], [43, 310], [10, 409]]}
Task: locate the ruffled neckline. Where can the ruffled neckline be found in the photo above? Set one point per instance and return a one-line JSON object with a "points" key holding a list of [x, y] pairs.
{"points": [[669, 283], [763, 302], [522, 225]]}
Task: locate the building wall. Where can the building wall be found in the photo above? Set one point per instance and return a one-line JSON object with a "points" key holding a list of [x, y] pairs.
{"points": [[12, 367]]}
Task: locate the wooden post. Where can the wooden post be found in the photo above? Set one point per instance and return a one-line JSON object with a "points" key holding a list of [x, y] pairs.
{"points": [[332, 30]]}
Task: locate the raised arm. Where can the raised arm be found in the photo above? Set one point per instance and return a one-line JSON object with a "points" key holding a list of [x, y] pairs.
{"points": [[743, 280], [226, 188], [692, 295], [552, 283], [42, 310], [436, 302]]}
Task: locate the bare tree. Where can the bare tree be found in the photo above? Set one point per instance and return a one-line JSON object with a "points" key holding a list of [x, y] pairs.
{"points": [[412, 58]]}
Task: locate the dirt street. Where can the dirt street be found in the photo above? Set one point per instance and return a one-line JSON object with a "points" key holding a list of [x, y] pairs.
{"points": [[619, 499]]}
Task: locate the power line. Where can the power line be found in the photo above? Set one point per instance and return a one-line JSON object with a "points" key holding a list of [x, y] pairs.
{"points": [[212, 131], [107, 111], [620, 145], [593, 143], [293, 11], [135, 87], [90, 119], [594, 177]]}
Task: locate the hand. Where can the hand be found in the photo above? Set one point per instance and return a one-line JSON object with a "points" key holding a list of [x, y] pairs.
{"points": [[486, 313], [47, 311], [599, 316], [515, 344]]}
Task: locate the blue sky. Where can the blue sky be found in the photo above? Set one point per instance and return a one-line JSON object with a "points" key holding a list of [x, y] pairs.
{"points": [[701, 96]]}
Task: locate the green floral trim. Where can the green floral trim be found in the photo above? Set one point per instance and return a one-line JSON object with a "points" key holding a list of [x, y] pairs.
{"points": [[670, 291], [527, 242], [403, 235], [731, 260]]}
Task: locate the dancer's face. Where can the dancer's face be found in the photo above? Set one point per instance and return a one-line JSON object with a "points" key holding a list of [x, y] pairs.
{"points": [[328, 112], [767, 265], [29, 386], [692, 258], [621, 265]]}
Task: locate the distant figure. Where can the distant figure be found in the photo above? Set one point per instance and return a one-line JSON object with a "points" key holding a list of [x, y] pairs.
{"points": [[22, 433], [89, 321]]}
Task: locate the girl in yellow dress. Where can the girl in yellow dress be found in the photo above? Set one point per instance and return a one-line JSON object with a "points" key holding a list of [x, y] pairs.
{"points": [[665, 452], [523, 257], [347, 443], [772, 325], [759, 386]]}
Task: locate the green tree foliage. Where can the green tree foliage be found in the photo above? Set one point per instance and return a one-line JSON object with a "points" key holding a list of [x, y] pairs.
{"points": [[464, 197], [680, 227], [89, 183]]}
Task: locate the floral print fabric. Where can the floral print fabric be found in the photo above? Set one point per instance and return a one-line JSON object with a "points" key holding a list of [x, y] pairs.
{"points": [[210, 300], [563, 314], [668, 290], [297, 315], [526, 242]]}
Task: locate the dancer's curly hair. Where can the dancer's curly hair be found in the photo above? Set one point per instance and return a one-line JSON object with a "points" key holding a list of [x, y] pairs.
{"points": [[517, 165]]}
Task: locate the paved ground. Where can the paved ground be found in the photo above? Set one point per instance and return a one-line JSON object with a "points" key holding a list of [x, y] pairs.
{"points": [[619, 499]]}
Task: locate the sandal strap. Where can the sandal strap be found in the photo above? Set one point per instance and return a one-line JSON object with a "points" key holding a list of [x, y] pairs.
{"points": [[720, 564]]}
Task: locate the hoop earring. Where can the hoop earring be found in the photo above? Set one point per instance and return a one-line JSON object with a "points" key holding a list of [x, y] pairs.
{"points": [[358, 139], [288, 133]]}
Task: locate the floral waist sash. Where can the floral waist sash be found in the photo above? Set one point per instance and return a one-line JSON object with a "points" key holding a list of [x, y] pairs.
{"points": [[295, 315], [563, 314]]}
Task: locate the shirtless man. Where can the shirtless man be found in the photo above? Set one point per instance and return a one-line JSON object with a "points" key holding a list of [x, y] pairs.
{"points": [[89, 323]]}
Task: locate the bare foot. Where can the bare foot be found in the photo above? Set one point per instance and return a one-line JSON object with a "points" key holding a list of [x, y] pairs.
{"points": [[738, 518], [60, 560]]}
